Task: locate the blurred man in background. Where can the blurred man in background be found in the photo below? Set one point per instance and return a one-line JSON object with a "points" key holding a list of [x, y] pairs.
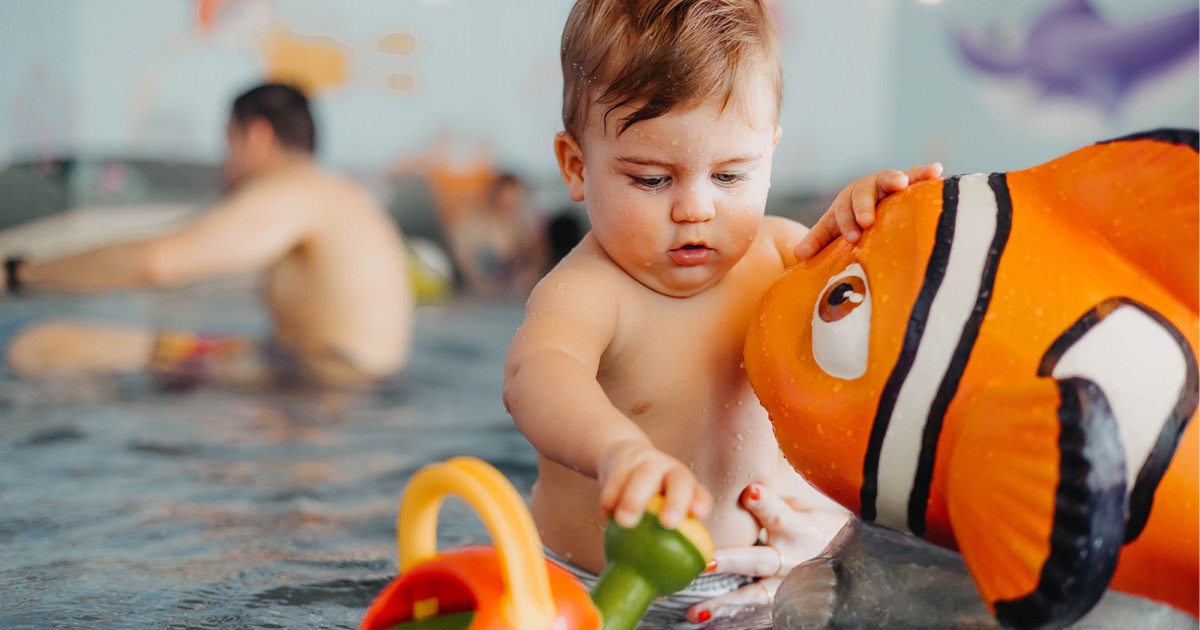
{"points": [[332, 263]]}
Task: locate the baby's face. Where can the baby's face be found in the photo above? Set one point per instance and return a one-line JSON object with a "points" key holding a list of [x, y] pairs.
{"points": [[677, 200]]}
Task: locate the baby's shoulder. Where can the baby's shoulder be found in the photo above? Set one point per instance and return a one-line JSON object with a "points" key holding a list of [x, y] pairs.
{"points": [[580, 279], [782, 228], [777, 238]]}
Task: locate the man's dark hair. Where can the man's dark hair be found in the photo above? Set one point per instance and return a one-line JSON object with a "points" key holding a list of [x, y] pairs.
{"points": [[283, 107]]}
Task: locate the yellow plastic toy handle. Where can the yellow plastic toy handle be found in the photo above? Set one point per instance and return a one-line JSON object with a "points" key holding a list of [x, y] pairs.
{"points": [[527, 603]]}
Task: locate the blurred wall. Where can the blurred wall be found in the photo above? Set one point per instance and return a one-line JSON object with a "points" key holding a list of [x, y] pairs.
{"points": [[949, 109], [38, 76], [869, 83]]}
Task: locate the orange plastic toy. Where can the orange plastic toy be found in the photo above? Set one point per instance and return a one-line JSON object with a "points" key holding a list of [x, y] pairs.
{"points": [[1006, 365], [511, 586]]}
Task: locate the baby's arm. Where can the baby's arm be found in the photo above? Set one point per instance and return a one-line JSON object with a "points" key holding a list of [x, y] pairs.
{"points": [[552, 392], [854, 208]]}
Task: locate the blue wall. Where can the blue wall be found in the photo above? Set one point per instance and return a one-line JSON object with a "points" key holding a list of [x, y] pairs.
{"points": [[869, 83]]}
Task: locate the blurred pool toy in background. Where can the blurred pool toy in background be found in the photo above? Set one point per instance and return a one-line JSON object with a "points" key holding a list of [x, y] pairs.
{"points": [[1005, 365], [430, 271], [511, 585]]}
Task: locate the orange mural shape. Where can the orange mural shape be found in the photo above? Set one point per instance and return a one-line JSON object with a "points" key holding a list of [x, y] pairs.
{"points": [[311, 63]]}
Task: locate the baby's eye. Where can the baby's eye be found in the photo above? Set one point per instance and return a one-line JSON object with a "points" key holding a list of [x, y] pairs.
{"points": [[727, 179], [650, 183]]}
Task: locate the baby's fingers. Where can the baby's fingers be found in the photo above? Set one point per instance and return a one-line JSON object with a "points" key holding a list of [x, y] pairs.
{"points": [[891, 181], [888, 182], [756, 594], [645, 482], [820, 235], [683, 494], [933, 170]]}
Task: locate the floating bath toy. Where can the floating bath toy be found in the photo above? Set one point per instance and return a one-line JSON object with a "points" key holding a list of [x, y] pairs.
{"points": [[512, 586], [1006, 365]]}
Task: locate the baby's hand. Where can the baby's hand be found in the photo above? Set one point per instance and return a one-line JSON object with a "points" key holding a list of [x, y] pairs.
{"points": [[794, 534], [632, 471], [854, 207]]}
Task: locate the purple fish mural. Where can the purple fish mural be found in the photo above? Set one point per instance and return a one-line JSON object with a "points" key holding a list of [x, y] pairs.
{"points": [[1072, 51]]}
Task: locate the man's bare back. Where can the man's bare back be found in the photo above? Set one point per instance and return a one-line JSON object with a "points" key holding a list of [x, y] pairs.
{"points": [[332, 263], [341, 292]]}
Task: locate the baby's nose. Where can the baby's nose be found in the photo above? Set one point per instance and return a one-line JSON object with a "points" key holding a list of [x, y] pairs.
{"points": [[692, 207]]}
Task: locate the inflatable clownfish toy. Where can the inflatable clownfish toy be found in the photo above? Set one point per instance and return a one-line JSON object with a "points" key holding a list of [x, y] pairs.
{"points": [[1006, 365]]}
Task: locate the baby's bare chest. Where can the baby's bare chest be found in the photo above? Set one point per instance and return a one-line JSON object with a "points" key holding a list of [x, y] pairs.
{"points": [[680, 362]]}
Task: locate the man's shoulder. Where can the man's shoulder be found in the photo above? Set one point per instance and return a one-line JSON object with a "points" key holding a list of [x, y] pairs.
{"points": [[311, 188]]}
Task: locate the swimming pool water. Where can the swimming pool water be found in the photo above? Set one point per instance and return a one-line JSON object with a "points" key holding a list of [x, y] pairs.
{"points": [[126, 507]]}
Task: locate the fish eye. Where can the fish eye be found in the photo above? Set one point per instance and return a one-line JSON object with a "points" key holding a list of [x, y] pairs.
{"points": [[841, 324], [839, 300]]}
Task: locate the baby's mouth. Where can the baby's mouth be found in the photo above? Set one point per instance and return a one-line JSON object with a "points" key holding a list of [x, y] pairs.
{"points": [[691, 254]]}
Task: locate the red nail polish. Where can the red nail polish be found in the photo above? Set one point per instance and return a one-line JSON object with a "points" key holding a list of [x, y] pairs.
{"points": [[710, 567], [703, 616], [753, 492]]}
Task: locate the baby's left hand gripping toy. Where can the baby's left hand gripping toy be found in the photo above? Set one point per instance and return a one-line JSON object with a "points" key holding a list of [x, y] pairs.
{"points": [[511, 585]]}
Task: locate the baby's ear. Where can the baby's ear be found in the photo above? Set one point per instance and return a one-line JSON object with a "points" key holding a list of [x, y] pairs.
{"points": [[570, 163]]}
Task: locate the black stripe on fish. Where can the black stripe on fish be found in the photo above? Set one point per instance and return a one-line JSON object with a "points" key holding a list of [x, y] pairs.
{"points": [[918, 501], [1181, 137], [935, 272], [1089, 514], [1141, 497]]}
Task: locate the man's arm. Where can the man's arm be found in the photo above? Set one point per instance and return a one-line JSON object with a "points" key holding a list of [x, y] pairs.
{"points": [[251, 229]]}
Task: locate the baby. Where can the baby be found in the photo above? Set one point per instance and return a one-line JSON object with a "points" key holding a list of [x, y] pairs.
{"points": [[626, 374]]}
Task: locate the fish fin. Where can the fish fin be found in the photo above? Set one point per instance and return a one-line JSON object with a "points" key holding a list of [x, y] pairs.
{"points": [[1137, 194], [1036, 498], [808, 596]]}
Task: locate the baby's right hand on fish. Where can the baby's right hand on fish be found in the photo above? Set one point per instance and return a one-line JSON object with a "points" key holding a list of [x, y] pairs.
{"points": [[632, 471], [854, 208]]}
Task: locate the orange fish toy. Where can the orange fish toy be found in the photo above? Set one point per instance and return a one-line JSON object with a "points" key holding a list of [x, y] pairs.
{"points": [[1005, 365]]}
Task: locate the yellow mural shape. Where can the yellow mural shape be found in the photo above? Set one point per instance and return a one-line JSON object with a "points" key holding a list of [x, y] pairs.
{"points": [[397, 44], [312, 64]]}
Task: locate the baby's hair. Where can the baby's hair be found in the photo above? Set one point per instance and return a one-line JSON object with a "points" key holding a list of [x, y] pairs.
{"points": [[660, 54]]}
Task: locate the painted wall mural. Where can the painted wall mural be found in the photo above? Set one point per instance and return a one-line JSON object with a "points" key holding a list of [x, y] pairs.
{"points": [[1071, 60]]}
